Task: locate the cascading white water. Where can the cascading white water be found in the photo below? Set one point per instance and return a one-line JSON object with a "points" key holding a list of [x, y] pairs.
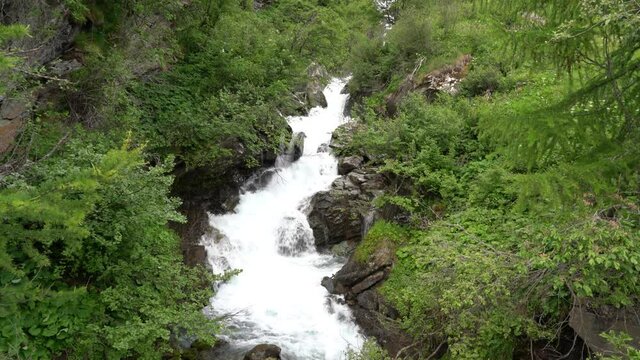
{"points": [[277, 298]]}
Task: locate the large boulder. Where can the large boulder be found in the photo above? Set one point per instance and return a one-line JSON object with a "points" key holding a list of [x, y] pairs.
{"points": [[340, 213], [443, 80], [589, 324], [263, 352]]}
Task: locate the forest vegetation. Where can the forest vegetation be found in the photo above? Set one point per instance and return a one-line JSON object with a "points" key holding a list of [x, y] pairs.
{"points": [[521, 189]]}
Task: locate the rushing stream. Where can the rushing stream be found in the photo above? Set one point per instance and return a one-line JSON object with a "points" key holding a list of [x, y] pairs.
{"points": [[277, 298]]}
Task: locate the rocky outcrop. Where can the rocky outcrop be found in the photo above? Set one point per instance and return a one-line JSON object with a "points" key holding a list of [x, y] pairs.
{"points": [[216, 190], [590, 324], [340, 214], [444, 80], [51, 31], [263, 352], [358, 282], [51, 34], [310, 94]]}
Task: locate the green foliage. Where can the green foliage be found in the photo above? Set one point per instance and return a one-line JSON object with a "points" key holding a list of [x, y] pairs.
{"points": [[480, 81], [89, 265], [522, 189], [370, 351], [621, 342], [78, 9], [381, 234], [596, 40]]}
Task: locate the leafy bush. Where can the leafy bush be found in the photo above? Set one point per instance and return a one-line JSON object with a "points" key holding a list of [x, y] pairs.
{"points": [[88, 264], [370, 351], [480, 81]]}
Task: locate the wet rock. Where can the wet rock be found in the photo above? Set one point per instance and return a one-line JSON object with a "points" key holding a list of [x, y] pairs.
{"points": [[259, 180], [229, 205], [348, 164], [264, 352], [314, 89], [315, 96], [358, 282], [294, 237], [298, 145], [339, 214], [327, 283], [323, 148]]}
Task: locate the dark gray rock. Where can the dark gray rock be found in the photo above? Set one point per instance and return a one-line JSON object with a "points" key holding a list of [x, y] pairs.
{"points": [[340, 213], [358, 282], [315, 95], [264, 352], [348, 164], [297, 148], [259, 180], [314, 89], [368, 300], [327, 283], [323, 148], [50, 28], [344, 249], [343, 135]]}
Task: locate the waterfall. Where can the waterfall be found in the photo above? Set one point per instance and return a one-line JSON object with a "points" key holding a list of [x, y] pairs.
{"points": [[277, 298]]}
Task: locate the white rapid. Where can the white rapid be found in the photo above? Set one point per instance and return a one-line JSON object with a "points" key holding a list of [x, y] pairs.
{"points": [[277, 298]]}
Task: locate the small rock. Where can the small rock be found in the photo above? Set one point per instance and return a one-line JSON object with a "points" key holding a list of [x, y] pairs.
{"points": [[264, 352]]}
